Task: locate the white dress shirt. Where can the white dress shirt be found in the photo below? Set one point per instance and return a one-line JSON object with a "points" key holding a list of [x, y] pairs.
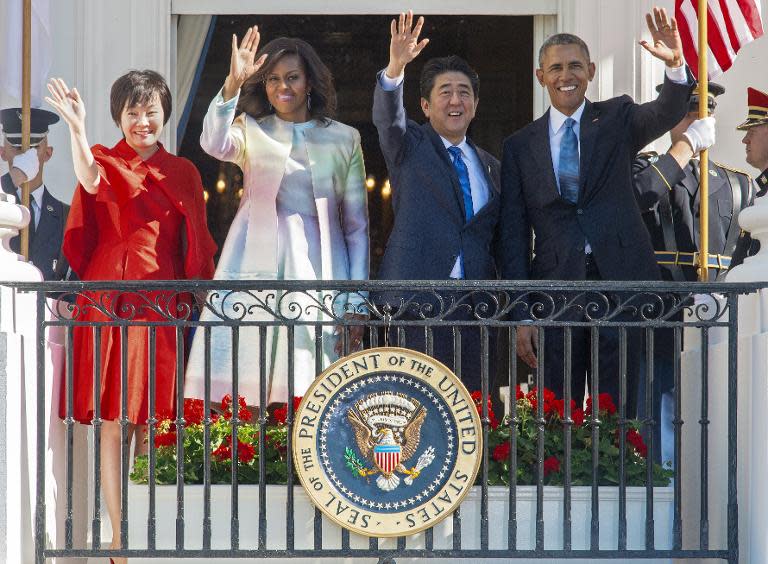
{"points": [[35, 202], [478, 184]]}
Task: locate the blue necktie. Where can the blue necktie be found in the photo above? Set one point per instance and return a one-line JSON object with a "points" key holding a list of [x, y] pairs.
{"points": [[463, 174], [568, 172]]}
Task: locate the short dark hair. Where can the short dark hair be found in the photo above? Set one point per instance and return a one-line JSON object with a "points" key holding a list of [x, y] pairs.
{"points": [[139, 87], [253, 95], [563, 39], [439, 65]]}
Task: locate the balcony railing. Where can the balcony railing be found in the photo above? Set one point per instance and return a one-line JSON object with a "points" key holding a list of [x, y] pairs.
{"points": [[699, 316]]}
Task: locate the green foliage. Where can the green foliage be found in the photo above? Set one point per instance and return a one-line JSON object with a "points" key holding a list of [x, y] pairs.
{"points": [[553, 434]]}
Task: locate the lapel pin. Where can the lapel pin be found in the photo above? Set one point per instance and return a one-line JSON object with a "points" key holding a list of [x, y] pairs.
{"points": [[594, 120], [49, 207], [712, 172]]}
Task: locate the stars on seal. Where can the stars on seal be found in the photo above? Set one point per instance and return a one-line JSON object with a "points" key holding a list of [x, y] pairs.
{"points": [[337, 408]]}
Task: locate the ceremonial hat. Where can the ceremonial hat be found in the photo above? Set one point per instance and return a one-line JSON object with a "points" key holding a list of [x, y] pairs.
{"points": [[714, 89], [38, 129], [757, 112]]}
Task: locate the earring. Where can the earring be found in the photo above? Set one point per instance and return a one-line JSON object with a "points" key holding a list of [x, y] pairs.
{"points": [[309, 101]]}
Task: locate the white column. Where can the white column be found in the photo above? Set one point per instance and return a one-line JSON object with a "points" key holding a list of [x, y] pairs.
{"points": [[18, 411], [753, 331]]}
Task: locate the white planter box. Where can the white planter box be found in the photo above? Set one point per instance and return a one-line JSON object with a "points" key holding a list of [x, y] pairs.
{"points": [[138, 502]]}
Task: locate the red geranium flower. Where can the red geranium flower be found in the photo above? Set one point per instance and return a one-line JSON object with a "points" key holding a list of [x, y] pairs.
{"points": [[165, 439], [245, 452], [605, 403], [519, 394], [281, 414], [578, 417], [559, 407], [477, 397], [501, 452], [549, 399], [636, 440], [551, 464], [193, 411], [224, 451]]}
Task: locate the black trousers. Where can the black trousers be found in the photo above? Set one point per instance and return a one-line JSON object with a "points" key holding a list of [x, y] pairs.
{"points": [[606, 342]]}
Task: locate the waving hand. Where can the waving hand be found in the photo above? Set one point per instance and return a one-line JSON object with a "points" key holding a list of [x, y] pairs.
{"points": [[667, 45], [243, 64], [404, 45]]}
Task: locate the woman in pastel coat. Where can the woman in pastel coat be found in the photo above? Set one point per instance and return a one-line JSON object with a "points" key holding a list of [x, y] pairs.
{"points": [[303, 216]]}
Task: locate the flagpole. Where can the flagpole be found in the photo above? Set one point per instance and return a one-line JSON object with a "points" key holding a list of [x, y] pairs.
{"points": [[26, 54], [704, 156]]}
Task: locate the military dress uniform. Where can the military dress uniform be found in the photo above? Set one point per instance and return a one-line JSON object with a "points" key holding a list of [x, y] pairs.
{"points": [[669, 198], [46, 229], [757, 115], [45, 238]]}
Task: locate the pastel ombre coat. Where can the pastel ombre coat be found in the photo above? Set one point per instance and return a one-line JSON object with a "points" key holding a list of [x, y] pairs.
{"points": [[261, 148]]}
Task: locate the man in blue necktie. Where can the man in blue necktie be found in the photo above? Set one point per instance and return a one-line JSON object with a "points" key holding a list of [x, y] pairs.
{"points": [[568, 177], [445, 195]]}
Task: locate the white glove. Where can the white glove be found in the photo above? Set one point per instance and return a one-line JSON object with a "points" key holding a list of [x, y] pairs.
{"points": [[28, 163], [701, 134]]}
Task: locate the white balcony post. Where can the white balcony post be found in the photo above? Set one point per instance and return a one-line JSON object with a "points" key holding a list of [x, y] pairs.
{"points": [[18, 410]]}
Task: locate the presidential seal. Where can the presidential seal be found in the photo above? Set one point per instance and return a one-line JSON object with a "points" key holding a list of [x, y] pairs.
{"points": [[387, 442]]}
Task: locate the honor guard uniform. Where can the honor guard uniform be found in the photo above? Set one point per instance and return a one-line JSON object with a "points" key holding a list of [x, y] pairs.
{"points": [[49, 215], [667, 190], [669, 198], [756, 141]]}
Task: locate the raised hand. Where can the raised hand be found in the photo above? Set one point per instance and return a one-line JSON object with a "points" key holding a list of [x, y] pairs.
{"points": [[667, 45], [68, 104], [243, 63], [404, 45]]}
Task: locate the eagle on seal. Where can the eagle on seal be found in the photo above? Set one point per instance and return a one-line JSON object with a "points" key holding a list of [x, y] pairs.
{"points": [[387, 429]]}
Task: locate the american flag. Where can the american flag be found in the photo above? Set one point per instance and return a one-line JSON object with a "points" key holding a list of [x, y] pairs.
{"points": [[731, 24]]}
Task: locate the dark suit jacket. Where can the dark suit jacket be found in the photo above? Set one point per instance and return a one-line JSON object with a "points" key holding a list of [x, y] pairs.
{"points": [[45, 242], [659, 179], [429, 228], [606, 214]]}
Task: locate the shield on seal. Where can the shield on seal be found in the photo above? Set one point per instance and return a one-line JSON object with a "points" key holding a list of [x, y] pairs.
{"points": [[387, 457]]}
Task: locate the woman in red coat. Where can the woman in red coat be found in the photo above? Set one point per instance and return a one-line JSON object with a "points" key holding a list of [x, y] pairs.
{"points": [[137, 214]]}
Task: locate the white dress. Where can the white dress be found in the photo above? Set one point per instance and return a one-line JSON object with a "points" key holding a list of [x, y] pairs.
{"points": [[299, 257]]}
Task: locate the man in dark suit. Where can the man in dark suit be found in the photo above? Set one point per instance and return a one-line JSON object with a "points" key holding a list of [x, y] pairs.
{"points": [[568, 175], [667, 191], [49, 215], [445, 193]]}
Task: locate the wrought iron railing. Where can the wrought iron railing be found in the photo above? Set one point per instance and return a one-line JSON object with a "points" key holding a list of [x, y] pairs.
{"points": [[490, 309]]}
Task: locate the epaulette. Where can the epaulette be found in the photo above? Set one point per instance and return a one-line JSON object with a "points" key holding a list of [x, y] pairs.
{"points": [[732, 169], [650, 156]]}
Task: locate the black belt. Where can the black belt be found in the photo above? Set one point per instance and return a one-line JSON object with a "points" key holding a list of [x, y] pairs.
{"points": [[721, 262]]}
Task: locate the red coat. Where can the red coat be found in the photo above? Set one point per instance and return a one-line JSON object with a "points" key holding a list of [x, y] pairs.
{"points": [[146, 222]]}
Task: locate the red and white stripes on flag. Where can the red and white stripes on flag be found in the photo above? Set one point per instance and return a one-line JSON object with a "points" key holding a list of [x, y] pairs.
{"points": [[731, 24]]}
